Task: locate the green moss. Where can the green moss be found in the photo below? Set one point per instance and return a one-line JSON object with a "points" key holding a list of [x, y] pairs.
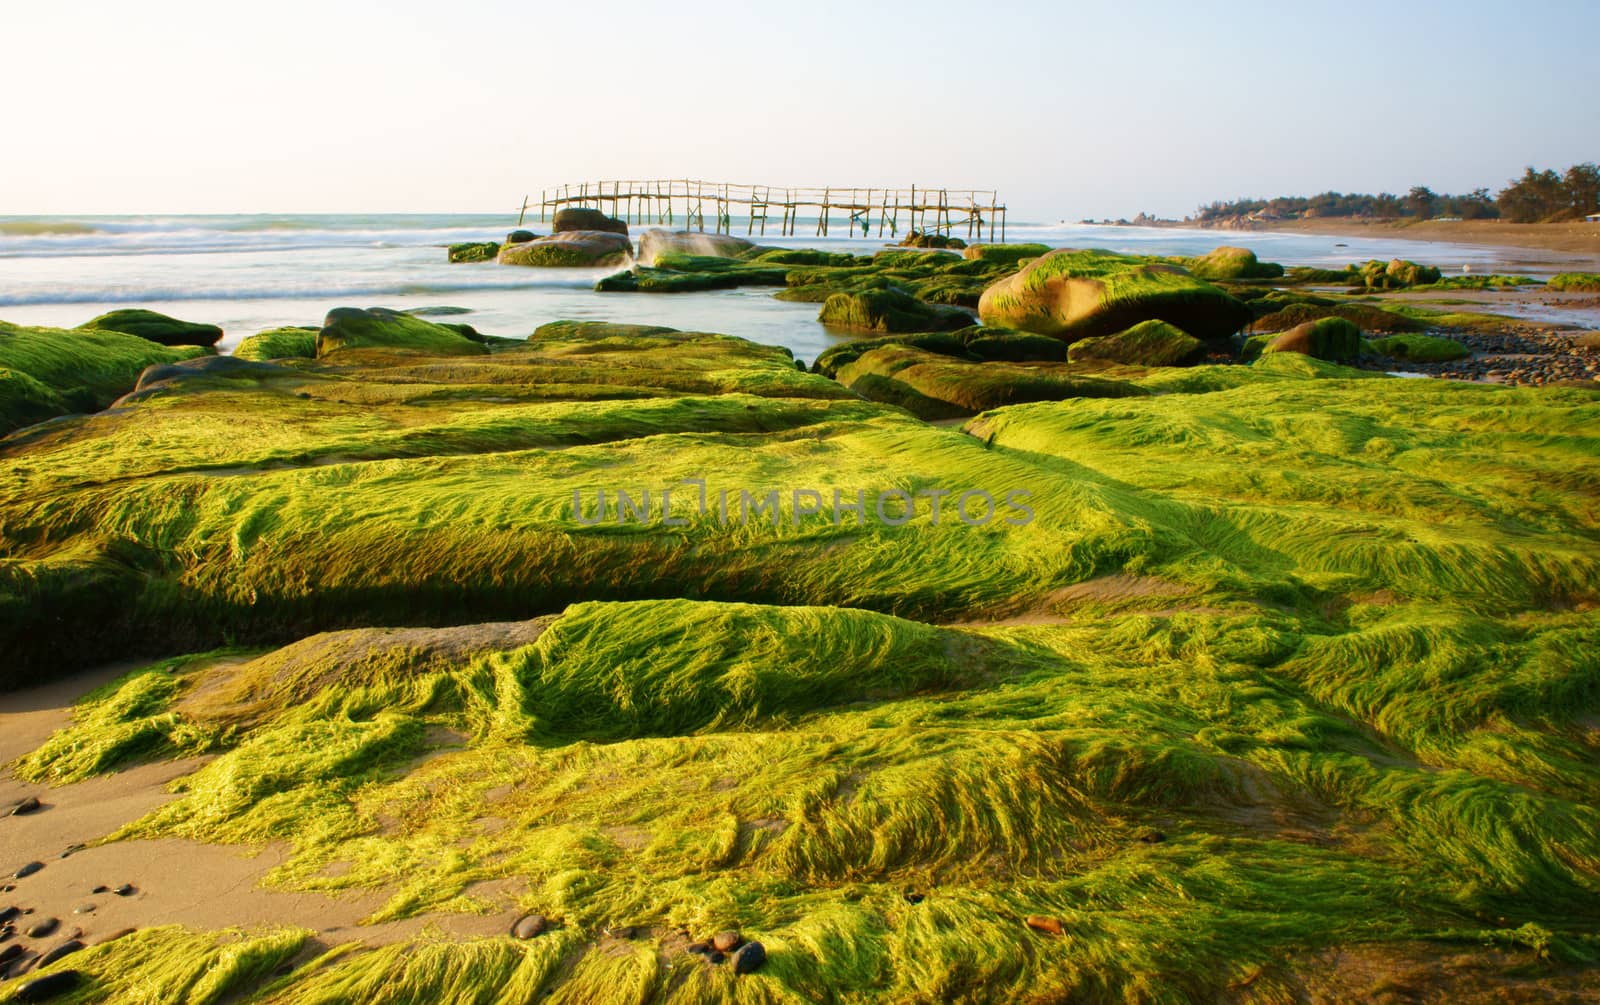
{"points": [[158, 328], [171, 964], [279, 343], [1364, 316], [941, 387], [1332, 339], [1575, 282], [86, 368], [474, 251], [1152, 343], [1073, 294], [24, 401], [1005, 254], [1419, 348], [890, 310], [350, 329], [1396, 274], [1231, 263], [572, 249]]}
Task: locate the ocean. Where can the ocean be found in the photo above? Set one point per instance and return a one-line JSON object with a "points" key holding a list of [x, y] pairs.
{"points": [[250, 272]]}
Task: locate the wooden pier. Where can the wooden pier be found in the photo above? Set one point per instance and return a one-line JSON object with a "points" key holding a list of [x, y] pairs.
{"points": [[665, 202]]}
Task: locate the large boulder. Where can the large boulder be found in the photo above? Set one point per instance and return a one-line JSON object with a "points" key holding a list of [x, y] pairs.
{"points": [[279, 343], [1008, 254], [570, 249], [1152, 343], [935, 386], [474, 251], [577, 218], [890, 310], [1232, 263], [1396, 274], [1333, 339], [656, 243], [86, 367], [155, 327], [378, 328], [205, 373], [1074, 294]]}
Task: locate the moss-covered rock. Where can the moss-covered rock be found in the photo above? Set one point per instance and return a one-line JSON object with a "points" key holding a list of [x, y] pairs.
{"points": [[1073, 294], [279, 343], [570, 249], [1332, 339], [520, 236], [24, 401], [1575, 282], [656, 243], [1004, 254], [890, 310], [348, 329], [1227, 263], [1419, 348], [1395, 274], [975, 344], [474, 251], [917, 239], [155, 327], [936, 386], [1363, 316], [575, 219], [87, 368], [1151, 343]]}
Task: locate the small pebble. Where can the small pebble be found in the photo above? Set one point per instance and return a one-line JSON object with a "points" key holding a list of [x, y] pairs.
{"points": [[529, 925], [66, 948], [46, 988], [28, 805], [749, 958], [1040, 923], [7, 913], [726, 942], [10, 953], [101, 889], [43, 928], [715, 957], [125, 890], [83, 909], [27, 870], [72, 849]]}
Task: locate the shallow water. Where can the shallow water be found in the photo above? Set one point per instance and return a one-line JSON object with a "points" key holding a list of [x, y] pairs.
{"points": [[247, 273]]}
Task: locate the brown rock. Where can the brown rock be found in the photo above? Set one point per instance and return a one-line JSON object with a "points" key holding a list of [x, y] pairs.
{"points": [[727, 942], [529, 925], [1047, 925]]}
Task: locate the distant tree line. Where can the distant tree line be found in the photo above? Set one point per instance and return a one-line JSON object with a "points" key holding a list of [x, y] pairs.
{"points": [[1536, 197]]}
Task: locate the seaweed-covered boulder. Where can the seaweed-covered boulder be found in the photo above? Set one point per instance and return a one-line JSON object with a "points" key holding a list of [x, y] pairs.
{"points": [[474, 251], [934, 386], [1575, 282], [86, 367], [1367, 317], [890, 310], [917, 239], [279, 343], [574, 219], [1232, 263], [155, 327], [656, 243], [1074, 294], [24, 401], [1333, 339], [519, 236], [1152, 343], [1007, 254], [1396, 274], [205, 373], [1419, 348], [570, 249], [378, 328]]}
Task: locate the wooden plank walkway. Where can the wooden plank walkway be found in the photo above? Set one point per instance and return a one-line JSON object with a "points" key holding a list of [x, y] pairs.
{"points": [[926, 210]]}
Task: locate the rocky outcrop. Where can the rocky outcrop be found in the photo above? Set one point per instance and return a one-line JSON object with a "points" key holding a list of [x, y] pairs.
{"points": [[1152, 343], [890, 310], [576, 218], [1076, 294], [474, 251], [155, 327], [1229, 262], [657, 243], [1332, 339], [378, 328], [570, 249]]}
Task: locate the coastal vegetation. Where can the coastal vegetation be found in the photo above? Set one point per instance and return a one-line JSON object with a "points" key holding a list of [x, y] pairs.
{"points": [[1132, 649]]}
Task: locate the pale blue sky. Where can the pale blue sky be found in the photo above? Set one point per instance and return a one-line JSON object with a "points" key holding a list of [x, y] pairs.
{"points": [[1070, 110]]}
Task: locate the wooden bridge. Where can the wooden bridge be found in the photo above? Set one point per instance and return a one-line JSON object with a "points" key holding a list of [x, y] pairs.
{"points": [[926, 210]]}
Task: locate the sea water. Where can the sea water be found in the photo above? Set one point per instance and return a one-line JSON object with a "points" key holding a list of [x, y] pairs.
{"points": [[250, 272]]}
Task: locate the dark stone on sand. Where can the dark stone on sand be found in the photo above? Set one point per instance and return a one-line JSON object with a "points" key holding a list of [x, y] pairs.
{"points": [[46, 988], [66, 948], [749, 958], [28, 805], [83, 909], [101, 889], [44, 929], [529, 925], [727, 942], [10, 953], [9, 913], [71, 850], [27, 870], [125, 890]]}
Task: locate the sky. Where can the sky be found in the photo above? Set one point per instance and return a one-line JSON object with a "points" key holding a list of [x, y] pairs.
{"points": [[1070, 110]]}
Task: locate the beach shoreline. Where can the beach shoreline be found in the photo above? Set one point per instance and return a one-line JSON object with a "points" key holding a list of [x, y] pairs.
{"points": [[1578, 239]]}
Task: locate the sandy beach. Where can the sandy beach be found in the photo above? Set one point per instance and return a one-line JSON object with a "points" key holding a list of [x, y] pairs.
{"points": [[1581, 240]]}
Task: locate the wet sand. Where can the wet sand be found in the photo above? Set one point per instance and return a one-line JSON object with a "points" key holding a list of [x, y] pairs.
{"points": [[1579, 242]]}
